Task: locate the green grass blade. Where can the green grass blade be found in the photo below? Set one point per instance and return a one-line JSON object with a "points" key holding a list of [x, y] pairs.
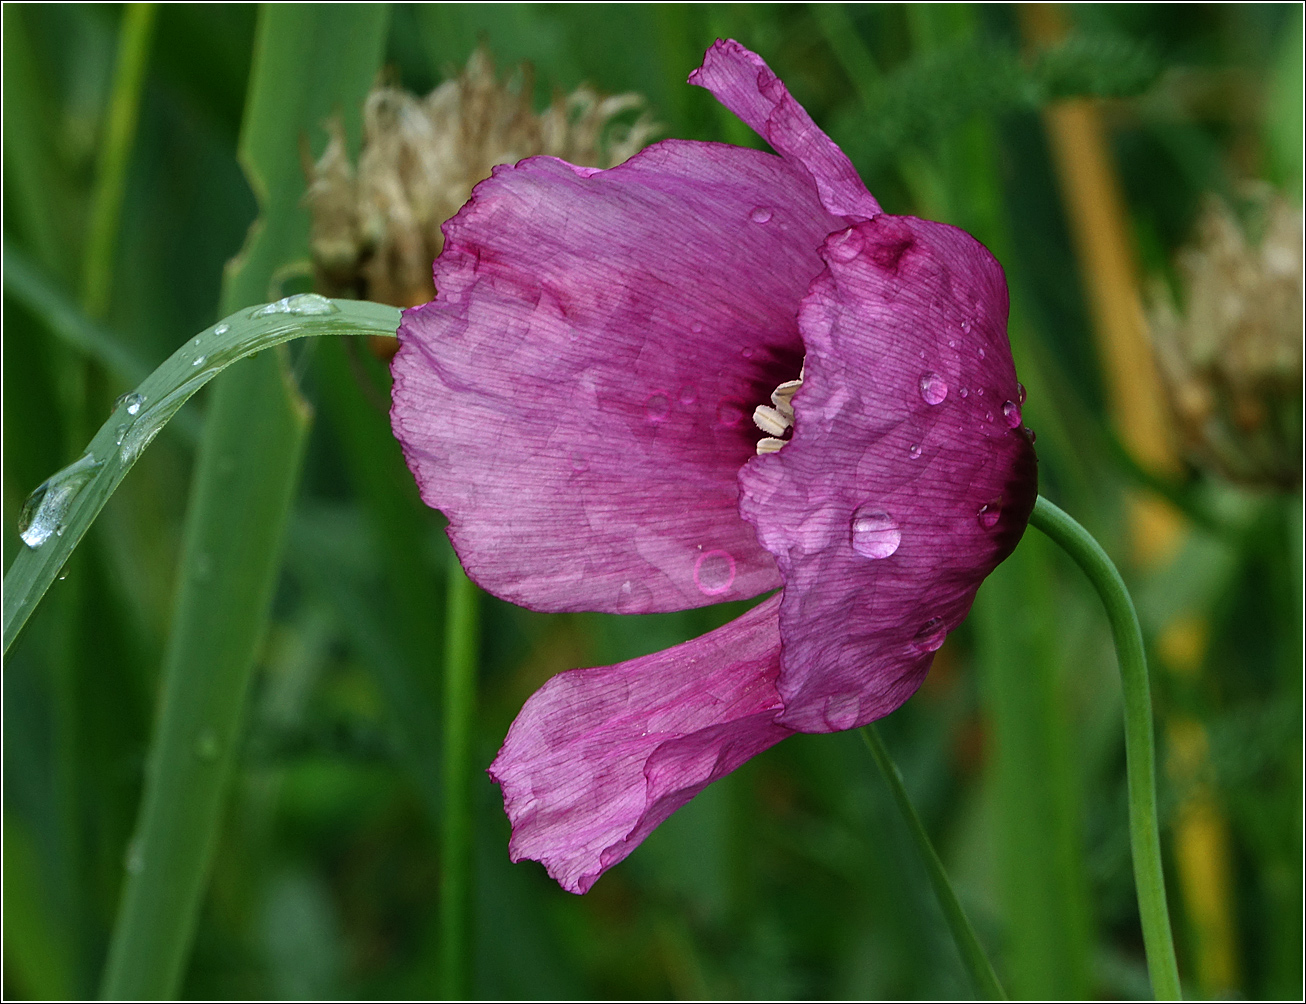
{"points": [[310, 61], [460, 656], [229, 563], [115, 448], [968, 947], [1038, 842], [111, 170], [26, 282]]}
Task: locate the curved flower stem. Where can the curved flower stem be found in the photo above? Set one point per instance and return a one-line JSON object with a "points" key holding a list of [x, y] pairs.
{"points": [[1144, 835], [460, 654], [972, 954]]}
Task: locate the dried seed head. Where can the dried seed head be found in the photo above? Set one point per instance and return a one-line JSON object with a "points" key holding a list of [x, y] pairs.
{"points": [[375, 232], [1232, 359]]}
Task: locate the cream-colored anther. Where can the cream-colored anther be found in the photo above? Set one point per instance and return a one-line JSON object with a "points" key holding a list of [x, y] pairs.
{"points": [[770, 421], [782, 398], [777, 420]]}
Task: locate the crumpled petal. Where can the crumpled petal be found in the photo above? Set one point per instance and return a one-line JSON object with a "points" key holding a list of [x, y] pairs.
{"points": [[599, 757], [742, 81], [577, 398], [909, 476]]}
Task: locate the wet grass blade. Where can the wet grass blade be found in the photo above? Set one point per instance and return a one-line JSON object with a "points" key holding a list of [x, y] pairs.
{"points": [[67, 504], [309, 62], [229, 562]]}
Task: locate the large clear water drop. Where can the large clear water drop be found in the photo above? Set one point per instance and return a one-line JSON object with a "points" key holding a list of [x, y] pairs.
{"points": [[44, 512], [875, 534], [933, 388], [301, 304]]}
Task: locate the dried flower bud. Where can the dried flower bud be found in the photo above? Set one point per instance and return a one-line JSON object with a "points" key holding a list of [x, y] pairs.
{"points": [[1232, 360], [375, 232]]}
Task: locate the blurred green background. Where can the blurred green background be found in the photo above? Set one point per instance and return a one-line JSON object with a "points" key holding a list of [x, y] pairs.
{"points": [[794, 877]]}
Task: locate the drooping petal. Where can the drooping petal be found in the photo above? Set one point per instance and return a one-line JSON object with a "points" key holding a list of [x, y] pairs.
{"points": [[909, 477], [577, 397], [742, 81], [599, 757]]}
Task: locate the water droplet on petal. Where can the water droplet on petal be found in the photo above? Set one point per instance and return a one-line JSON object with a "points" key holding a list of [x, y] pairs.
{"points": [[875, 534], [579, 464], [301, 305], [760, 214], [965, 326], [933, 388], [714, 572], [931, 636], [979, 391], [915, 451], [981, 353], [222, 329], [841, 711], [989, 513], [729, 414], [1032, 436], [952, 343], [747, 352], [657, 407], [688, 394], [988, 416], [845, 245], [45, 510], [1011, 412], [633, 598], [696, 327], [964, 392], [1020, 393]]}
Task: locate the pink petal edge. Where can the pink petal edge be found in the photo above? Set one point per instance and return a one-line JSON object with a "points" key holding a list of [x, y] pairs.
{"points": [[599, 757], [741, 80]]}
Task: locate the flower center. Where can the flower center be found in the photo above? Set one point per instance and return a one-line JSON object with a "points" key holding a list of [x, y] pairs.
{"points": [[777, 418]]}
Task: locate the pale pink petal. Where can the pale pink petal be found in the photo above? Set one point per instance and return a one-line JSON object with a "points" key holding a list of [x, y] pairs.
{"points": [[909, 477], [599, 757], [742, 81], [577, 398]]}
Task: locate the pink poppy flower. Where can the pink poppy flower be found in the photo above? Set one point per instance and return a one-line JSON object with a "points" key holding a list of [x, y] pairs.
{"points": [[579, 400]]}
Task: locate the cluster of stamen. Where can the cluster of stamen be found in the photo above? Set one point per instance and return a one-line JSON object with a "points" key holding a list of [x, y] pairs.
{"points": [[777, 418]]}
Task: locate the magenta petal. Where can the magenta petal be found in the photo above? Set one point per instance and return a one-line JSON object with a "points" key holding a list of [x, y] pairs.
{"points": [[742, 81], [577, 398], [909, 477], [599, 757]]}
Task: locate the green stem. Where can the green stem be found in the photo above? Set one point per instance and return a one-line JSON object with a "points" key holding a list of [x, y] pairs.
{"points": [[972, 954], [1144, 834], [111, 169], [460, 654]]}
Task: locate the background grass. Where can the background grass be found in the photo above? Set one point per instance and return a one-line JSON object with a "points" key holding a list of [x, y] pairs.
{"points": [[794, 876]]}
